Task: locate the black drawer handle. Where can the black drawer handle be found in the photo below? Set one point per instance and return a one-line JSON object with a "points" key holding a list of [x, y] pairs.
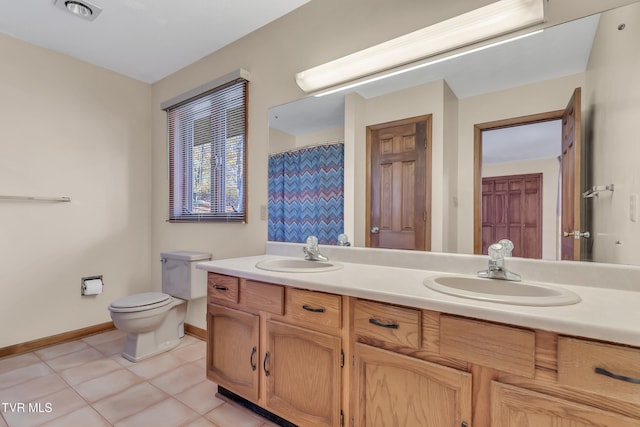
{"points": [[609, 374], [389, 325], [264, 364], [313, 310], [220, 288], [252, 357]]}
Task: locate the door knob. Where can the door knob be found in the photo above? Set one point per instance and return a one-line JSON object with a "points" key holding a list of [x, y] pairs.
{"points": [[577, 234], [375, 230]]}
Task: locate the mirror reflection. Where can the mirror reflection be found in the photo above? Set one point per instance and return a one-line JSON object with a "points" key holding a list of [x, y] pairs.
{"points": [[476, 99]]}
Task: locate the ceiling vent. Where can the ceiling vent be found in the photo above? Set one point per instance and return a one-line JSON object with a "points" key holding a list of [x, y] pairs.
{"points": [[80, 8]]}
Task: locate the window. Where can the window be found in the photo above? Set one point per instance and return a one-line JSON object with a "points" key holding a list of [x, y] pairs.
{"points": [[207, 138]]}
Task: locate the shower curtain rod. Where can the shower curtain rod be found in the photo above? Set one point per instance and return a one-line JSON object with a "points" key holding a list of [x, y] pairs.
{"points": [[319, 144]]}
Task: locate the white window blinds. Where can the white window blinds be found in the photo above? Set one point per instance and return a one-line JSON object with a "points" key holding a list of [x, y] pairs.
{"points": [[207, 155]]}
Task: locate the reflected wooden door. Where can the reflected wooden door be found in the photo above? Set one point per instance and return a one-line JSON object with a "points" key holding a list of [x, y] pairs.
{"points": [[512, 209], [399, 158], [571, 185]]}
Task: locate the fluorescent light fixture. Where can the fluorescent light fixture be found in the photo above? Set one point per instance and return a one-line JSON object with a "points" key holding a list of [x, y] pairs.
{"points": [[495, 19]]}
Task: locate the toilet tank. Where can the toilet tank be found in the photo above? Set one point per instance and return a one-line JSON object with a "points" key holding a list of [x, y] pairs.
{"points": [[180, 277]]}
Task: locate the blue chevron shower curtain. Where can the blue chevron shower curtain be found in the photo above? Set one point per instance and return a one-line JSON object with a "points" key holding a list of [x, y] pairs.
{"points": [[306, 194]]}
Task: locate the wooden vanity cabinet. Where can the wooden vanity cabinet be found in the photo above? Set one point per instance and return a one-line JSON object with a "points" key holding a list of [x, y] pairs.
{"points": [[303, 371], [519, 407], [285, 349], [418, 367], [278, 347], [396, 390], [393, 389], [232, 350]]}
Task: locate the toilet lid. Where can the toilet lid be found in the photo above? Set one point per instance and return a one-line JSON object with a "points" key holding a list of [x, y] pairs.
{"points": [[141, 302]]}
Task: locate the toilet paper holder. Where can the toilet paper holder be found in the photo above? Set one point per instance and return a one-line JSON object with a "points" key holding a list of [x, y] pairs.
{"points": [[91, 285]]}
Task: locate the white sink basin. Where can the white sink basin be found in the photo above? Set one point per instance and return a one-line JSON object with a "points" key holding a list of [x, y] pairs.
{"points": [[294, 265], [502, 291]]}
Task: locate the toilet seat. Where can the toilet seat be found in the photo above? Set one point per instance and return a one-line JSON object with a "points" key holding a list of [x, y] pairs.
{"points": [[140, 302]]}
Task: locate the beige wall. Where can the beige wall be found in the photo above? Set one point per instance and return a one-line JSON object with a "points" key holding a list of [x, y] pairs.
{"points": [[70, 129], [615, 135], [313, 34], [280, 141]]}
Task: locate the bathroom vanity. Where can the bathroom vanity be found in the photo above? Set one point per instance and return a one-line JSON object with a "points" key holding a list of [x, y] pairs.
{"points": [[368, 344]]}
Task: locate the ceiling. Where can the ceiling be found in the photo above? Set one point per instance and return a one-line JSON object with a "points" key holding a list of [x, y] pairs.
{"points": [[143, 39]]}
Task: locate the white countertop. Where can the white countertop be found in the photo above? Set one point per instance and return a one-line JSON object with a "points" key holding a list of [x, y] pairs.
{"points": [[604, 313]]}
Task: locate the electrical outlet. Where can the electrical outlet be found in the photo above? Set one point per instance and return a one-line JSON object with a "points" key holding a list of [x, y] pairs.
{"points": [[263, 212]]}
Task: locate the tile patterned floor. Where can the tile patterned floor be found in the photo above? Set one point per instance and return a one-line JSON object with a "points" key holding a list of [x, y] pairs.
{"points": [[87, 383]]}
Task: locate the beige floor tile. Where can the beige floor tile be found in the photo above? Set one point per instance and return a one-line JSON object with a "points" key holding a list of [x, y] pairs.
{"points": [[72, 360], [89, 371], [107, 385], [34, 389], [201, 397], [23, 374], [229, 415], [103, 337], [58, 350], [122, 361], [157, 365], [192, 352], [46, 409], [188, 340], [179, 379], [85, 416], [129, 402], [201, 422], [14, 362], [168, 413], [85, 384], [201, 364], [111, 348]]}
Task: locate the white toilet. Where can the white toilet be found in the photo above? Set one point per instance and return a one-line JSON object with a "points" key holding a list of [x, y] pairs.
{"points": [[154, 321]]}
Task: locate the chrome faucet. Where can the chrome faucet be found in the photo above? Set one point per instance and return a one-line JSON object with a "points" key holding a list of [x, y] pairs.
{"points": [[343, 240], [311, 250], [497, 270]]}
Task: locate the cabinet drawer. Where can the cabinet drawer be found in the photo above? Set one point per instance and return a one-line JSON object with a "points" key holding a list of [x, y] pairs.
{"points": [[221, 288], [262, 296], [604, 369], [505, 348], [395, 325], [314, 307]]}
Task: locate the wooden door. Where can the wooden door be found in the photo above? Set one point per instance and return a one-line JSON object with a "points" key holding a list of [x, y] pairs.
{"points": [[571, 183], [393, 390], [512, 209], [302, 370], [233, 351], [399, 180], [517, 407]]}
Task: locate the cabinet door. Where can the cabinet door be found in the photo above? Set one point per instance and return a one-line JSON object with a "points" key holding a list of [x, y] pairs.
{"points": [[393, 390], [516, 407], [232, 350], [302, 372]]}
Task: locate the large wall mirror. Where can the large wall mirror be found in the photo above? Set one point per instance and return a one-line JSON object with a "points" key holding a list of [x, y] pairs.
{"points": [[483, 96]]}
